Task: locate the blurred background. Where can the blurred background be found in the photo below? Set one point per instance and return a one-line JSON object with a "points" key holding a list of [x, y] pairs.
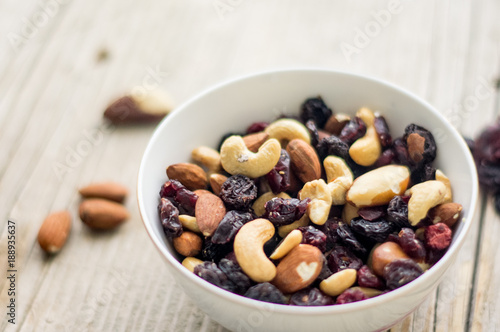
{"points": [[63, 61]]}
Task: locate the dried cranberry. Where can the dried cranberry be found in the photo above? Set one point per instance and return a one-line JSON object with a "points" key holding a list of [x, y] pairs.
{"points": [[230, 225], [314, 237], [377, 230], [349, 239], [366, 278], [397, 212], [257, 127], [438, 236], [401, 152], [351, 295], [211, 273], [412, 246], [238, 192], [399, 272], [284, 211], [215, 252], [382, 130], [371, 213], [430, 148], [235, 274], [313, 132], [310, 297], [266, 292], [333, 146], [353, 130], [169, 216], [424, 173], [330, 230], [342, 258], [315, 109], [183, 198], [386, 158], [279, 177]]}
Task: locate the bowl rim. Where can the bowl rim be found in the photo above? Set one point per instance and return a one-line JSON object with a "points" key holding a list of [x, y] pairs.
{"points": [[310, 310]]}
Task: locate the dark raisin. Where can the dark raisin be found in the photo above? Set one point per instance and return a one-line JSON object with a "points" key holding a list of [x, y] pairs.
{"points": [[401, 152], [386, 158], [230, 225], [430, 148], [489, 176], [433, 256], [366, 278], [313, 132], [371, 213], [424, 173], [333, 146], [211, 273], [342, 258], [272, 244], [314, 237], [284, 211], [438, 236], [257, 127], [169, 216], [238, 192], [377, 230], [266, 292], [330, 230], [351, 295], [412, 246], [226, 136], [349, 239], [400, 272], [383, 132], [353, 130], [183, 198], [315, 109], [397, 212], [325, 271], [279, 177], [310, 297], [215, 252], [234, 273]]}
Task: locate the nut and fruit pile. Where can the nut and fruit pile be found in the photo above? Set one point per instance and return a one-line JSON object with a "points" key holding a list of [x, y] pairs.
{"points": [[320, 209]]}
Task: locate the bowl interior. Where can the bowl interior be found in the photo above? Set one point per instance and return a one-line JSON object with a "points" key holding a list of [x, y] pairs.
{"points": [[232, 106]]}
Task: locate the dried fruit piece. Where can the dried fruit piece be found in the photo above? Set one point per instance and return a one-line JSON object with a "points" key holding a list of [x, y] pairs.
{"points": [[349, 239], [397, 212], [230, 225], [353, 130], [282, 211], [373, 230], [215, 252], [310, 297], [107, 190], [342, 258], [366, 278], [98, 213], [279, 177], [400, 272], [383, 131], [54, 231], [333, 146], [210, 272], [313, 237], [412, 246], [169, 217], [235, 274], [266, 292], [180, 196], [238, 192], [257, 127], [353, 294], [315, 109], [438, 236], [259, 205]]}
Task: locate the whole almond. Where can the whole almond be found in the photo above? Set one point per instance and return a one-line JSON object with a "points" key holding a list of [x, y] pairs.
{"points": [[209, 211], [300, 267], [187, 244], [216, 181], [98, 213], [108, 190], [54, 231], [447, 213], [190, 175], [304, 160], [254, 141]]}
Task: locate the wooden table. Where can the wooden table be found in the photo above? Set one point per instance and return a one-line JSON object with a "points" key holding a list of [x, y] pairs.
{"points": [[63, 61]]}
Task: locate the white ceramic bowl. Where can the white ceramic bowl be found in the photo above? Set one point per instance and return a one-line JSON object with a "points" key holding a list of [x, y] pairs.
{"points": [[231, 107]]}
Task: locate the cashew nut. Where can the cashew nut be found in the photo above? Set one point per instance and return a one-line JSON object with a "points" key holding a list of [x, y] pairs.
{"points": [[237, 159], [283, 231], [338, 282], [448, 198], [366, 150], [208, 157], [339, 178], [189, 222], [190, 263], [321, 200], [249, 251], [424, 196], [289, 242], [285, 130], [259, 204], [349, 212]]}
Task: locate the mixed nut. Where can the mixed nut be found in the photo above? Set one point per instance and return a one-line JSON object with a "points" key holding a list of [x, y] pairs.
{"points": [[317, 210]]}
